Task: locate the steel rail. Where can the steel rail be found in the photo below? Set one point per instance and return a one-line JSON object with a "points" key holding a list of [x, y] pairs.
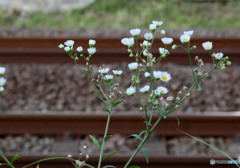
{"points": [[202, 124], [119, 161], [45, 50]]}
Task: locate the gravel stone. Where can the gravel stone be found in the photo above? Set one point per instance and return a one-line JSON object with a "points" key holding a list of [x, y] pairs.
{"points": [[33, 88]]}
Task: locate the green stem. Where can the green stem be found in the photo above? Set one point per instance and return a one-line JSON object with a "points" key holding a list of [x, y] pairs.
{"points": [[143, 141], [6, 160], [54, 158], [104, 137], [190, 62], [159, 119]]}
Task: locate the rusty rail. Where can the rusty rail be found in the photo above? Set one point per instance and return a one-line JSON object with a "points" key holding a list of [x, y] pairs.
{"points": [[118, 161], [45, 50], [203, 124]]}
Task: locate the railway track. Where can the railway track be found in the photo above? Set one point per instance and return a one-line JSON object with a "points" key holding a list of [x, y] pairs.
{"points": [[203, 124], [45, 50], [155, 162]]}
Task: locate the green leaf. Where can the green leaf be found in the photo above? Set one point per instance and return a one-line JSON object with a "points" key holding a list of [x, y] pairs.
{"points": [[1, 164], [110, 155], [15, 158], [147, 123], [106, 138], [141, 133], [116, 103], [136, 136], [108, 166], [144, 150], [107, 110], [211, 146], [95, 141], [134, 167]]}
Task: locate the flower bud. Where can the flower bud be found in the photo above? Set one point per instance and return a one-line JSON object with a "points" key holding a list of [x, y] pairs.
{"points": [[194, 47], [162, 32], [76, 58], [175, 46]]}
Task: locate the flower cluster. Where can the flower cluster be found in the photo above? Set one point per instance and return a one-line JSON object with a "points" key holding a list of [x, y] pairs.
{"points": [[153, 98], [2, 79], [68, 48]]}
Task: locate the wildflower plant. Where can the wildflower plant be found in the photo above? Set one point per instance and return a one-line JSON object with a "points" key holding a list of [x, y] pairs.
{"points": [[152, 98]]}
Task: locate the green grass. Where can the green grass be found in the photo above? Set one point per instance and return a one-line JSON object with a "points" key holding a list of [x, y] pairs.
{"points": [[121, 14]]}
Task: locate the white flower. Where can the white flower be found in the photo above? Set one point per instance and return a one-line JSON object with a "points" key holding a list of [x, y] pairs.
{"points": [[79, 49], [61, 46], [218, 56], [103, 70], [148, 36], [135, 32], [128, 41], [1, 89], [157, 23], [165, 76], [185, 38], [91, 50], [207, 45], [108, 78], [152, 27], [91, 42], [190, 32], [2, 70], [69, 43], [69, 156], [157, 74], [67, 49], [160, 90], [146, 43], [2, 81], [133, 66], [145, 52], [163, 51], [117, 72], [145, 89], [131, 91], [147, 74], [167, 40], [79, 163]]}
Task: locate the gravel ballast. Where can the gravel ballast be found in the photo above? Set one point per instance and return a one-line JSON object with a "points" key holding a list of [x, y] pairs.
{"points": [[62, 87], [156, 145]]}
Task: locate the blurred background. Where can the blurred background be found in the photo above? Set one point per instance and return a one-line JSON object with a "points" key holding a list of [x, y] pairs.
{"points": [[42, 80]]}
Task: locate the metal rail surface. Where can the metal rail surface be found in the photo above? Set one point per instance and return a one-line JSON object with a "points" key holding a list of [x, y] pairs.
{"points": [[45, 50], [202, 124], [118, 161]]}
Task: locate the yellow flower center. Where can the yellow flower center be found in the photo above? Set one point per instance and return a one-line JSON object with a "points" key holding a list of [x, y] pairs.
{"points": [[185, 39], [162, 91], [208, 46], [164, 77]]}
